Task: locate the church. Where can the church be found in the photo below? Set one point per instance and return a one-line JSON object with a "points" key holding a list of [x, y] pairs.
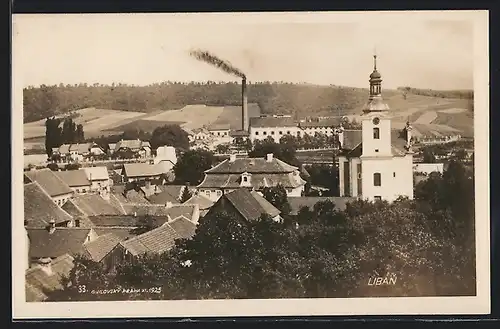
{"points": [[380, 165]]}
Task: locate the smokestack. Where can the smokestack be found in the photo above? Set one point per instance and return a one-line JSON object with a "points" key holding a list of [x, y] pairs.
{"points": [[244, 105]]}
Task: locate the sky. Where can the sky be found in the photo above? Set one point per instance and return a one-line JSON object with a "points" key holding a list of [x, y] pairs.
{"points": [[413, 50]]}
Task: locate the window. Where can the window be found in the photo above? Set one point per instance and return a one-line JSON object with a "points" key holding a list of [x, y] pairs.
{"points": [[272, 132], [219, 193], [288, 132], [245, 178], [281, 133], [376, 150], [218, 133], [207, 193], [394, 174], [376, 133], [264, 133], [378, 198], [256, 133], [377, 181]]}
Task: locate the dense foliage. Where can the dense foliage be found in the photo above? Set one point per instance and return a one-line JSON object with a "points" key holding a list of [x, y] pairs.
{"points": [[56, 135], [191, 165], [467, 94]]}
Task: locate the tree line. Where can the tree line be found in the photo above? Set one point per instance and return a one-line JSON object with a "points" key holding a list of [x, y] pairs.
{"points": [[428, 243], [273, 97], [462, 94]]}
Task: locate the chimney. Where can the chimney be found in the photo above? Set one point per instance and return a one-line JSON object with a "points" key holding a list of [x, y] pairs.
{"points": [[244, 105], [340, 135], [269, 157], [408, 129], [232, 157], [168, 204], [45, 265], [52, 226]]}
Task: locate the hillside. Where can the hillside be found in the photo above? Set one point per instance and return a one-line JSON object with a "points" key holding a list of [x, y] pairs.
{"points": [[110, 109]]}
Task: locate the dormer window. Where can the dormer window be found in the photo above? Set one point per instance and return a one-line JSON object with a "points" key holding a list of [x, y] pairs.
{"points": [[245, 179]]}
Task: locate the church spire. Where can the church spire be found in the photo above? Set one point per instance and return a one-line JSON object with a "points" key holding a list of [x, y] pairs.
{"points": [[375, 102]]}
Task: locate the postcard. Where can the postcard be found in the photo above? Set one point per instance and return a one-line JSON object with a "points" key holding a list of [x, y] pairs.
{"points": [[250, 164]]}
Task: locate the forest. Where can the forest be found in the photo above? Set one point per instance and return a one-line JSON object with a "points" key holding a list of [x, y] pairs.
{"points": [[273, 97], [461, 94]]}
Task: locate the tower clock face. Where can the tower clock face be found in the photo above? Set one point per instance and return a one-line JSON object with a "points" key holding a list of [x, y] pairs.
{"points": [[376, 121]]}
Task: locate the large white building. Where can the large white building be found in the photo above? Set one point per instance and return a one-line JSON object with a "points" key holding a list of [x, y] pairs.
{"points": [[380, 167], [272, 126]]}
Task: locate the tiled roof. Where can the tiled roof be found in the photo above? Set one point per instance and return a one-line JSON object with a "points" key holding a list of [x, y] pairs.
{"points": [[39, 209], [249, 206], [121, 221], [140, 170], [64, 149], [133, 144], [257, 181], [221, 126], [183, 226], [73, 178], [49, 181], [159, 240], [122, 233], [96, 173], [101, 246], [327, 122], [239, 133], [39, 282], [296, 203], [252, 165], [80, 148], [70, 207], [202, 202], [174, 211], [61, 241], [351, 139], [264, 122], [169, 193], [93, 204], [130, 196]]}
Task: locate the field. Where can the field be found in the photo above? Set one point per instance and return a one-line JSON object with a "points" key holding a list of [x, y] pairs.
{"points": [[94, 121]]}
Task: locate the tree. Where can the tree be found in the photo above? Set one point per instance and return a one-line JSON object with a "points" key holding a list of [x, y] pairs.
{"points": [[277, 196], [52, 134], [428, 156], [170, 135], [191, 165], [284, 152], [186, 194], [222, 148], [53, 166]]}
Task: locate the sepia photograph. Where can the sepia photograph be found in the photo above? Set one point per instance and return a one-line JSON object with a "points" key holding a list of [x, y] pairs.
{"points": [[250, 164]]}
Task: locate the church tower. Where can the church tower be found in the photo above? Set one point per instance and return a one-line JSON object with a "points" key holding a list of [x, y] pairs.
{"points": [[376, 125]]}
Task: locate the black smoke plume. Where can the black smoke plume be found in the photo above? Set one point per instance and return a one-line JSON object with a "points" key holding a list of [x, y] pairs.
{"points": [[206, 57]]}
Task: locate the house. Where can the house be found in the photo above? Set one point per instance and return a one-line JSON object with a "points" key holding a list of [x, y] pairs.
{"points": [[297, 203], [58, 190], [156, 241], [325, 126], [76, 179], [99, 180], [380, 167], [199, 134], [79, 152], [275, 126], [100, 247], [165, 194], [135, 147], [204, 204], [245, 205], [172, 211], [53, 242], [165, 158], [141, 172], [46, 277], [220, 131], [250, 173], [94, 204], [40, 209]]}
